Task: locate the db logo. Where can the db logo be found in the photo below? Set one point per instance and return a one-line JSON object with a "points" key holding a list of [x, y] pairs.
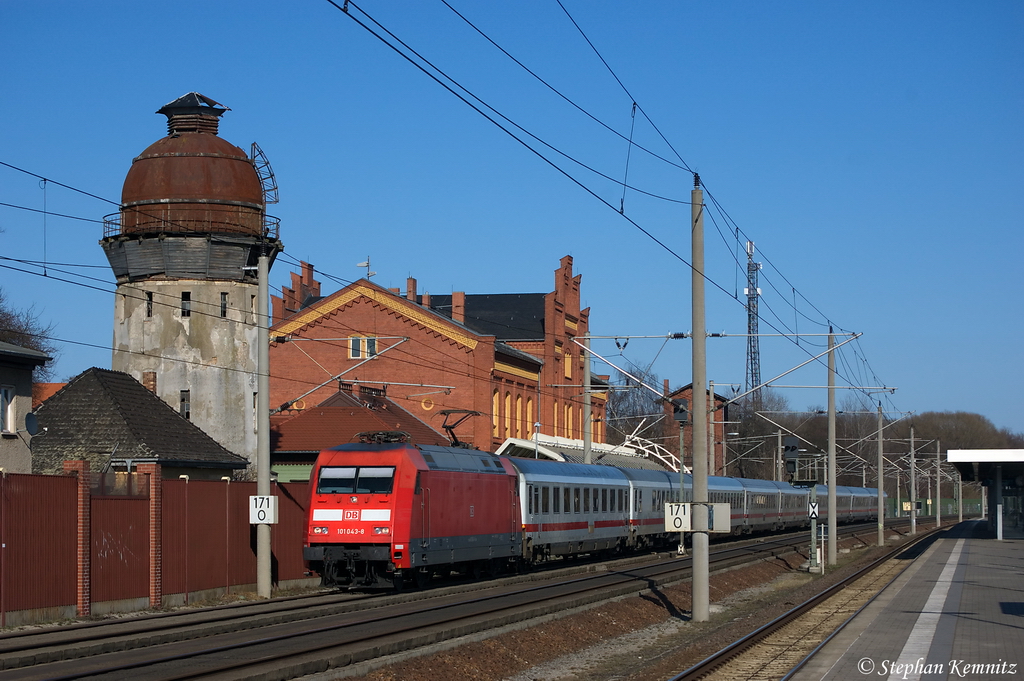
{"points": [[351, 515]]}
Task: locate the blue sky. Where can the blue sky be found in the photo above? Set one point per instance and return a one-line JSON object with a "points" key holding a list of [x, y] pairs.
{"points": [[873, 151]]}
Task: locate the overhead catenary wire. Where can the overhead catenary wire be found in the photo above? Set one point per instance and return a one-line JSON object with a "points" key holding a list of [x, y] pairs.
{"points": [[623, 184]]}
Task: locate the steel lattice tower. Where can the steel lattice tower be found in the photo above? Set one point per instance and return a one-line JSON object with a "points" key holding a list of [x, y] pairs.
{"points": [[753, 348]]}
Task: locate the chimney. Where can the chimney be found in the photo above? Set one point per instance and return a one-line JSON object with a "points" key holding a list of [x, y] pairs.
{"points": [[459, 306], [425, 300], [410, 289]]}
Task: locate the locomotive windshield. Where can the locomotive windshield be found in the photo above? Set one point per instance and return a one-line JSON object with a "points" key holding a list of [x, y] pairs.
{"points": [[355, 480]]}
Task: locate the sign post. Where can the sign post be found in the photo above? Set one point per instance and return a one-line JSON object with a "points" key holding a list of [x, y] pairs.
{"points": [[262, 510]]}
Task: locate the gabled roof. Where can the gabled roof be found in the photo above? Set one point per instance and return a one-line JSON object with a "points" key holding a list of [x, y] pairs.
{"points": [[386, 299], [102, 415], [340, 417], [506, 316]]}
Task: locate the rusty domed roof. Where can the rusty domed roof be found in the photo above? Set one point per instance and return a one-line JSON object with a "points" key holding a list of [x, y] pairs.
{"points": [[192, 180]]}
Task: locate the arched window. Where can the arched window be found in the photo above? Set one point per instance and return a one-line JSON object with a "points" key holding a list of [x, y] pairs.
{"points": [[508, 414], [520, 424], [494, 414]]}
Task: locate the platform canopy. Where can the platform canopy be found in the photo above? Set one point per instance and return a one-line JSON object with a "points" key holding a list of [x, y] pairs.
{"points": [[980, 464]]}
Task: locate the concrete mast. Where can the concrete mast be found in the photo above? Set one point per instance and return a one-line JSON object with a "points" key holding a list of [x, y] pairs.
{"points": [[700, 591]]}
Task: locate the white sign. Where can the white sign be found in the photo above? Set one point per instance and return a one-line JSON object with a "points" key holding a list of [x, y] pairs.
{"points": [[719, 518], [677, 517], [262, 510], [812, 510]]}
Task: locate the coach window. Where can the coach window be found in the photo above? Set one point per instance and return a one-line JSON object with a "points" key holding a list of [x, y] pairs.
{"points": [[586, 500], [576, 499], [529, 499], [566, 497], [536, 500], [545, 500], [604, 501], [556, 507]]}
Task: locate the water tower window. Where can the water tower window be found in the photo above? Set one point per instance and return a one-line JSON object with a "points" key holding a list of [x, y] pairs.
{"points": [[149, 304], [185, 404], [186, 304], [223, 304], [355, 347], [371, 347]]}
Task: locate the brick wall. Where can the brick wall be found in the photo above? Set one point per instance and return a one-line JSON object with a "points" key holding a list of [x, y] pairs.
{"points": [[441, 365]]}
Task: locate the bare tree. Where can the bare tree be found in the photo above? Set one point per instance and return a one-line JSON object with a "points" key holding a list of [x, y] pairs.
{"points": [[754, 448], [633, 408], [24, 329]]}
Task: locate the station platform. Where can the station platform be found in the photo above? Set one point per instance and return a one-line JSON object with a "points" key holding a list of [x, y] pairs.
{"points": [[956, 613]]}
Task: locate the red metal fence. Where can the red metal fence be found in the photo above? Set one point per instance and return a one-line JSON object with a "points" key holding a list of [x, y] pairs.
{"points": [[119, 548], [60, 551], [37, 542]]}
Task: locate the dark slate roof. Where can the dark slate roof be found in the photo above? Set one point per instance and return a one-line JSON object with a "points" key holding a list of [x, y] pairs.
{"points": [[102, 415], [22, 355], [506, 316], [506, 349], [339, 418]]}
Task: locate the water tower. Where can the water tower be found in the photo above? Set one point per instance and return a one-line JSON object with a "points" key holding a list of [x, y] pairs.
{"points": [[184, 248]]}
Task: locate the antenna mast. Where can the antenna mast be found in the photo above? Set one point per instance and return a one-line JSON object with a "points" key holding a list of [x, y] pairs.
{"points": [[753, 348]]}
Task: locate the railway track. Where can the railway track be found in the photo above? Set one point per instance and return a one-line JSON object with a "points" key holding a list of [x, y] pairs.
{"points": [[779, 648], [282, 640]]}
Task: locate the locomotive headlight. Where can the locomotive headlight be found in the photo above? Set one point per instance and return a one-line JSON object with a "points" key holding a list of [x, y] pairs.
{"points": [[382, 530]]}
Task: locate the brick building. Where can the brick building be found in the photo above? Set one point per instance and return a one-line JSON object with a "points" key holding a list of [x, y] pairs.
{"points": [[717, 427], [509, 356]]}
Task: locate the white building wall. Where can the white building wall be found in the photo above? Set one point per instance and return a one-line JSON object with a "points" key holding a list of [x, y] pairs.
{"points": [[211, 356]]}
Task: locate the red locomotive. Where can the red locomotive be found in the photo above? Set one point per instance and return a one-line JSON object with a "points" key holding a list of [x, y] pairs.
{"points": [[384, 513]]}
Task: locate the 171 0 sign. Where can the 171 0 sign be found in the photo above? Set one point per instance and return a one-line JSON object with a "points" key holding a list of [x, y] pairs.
{"points": [[679, 517], [262, 510]]}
